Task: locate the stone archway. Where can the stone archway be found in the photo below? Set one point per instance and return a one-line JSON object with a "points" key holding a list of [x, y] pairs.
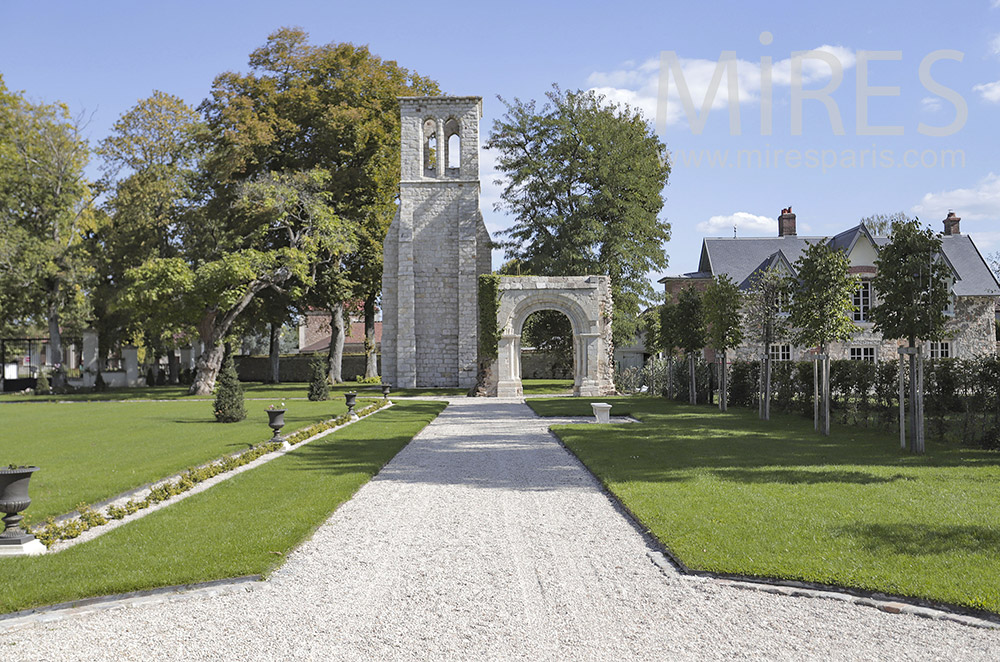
{"points": [[585, 300]]}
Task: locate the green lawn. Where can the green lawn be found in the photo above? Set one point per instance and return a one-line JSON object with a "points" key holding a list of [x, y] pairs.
{"points": [[730, 493], [242, 526], [89, 451], [546, 386]]}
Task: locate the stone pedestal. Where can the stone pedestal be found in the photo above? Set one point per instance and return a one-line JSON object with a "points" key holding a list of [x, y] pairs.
{"points": [[30, 548], [130, 357], [89, 364], [602, 412]]}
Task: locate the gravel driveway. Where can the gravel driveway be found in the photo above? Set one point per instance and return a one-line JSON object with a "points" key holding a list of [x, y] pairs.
{"points": [[484, 539]]}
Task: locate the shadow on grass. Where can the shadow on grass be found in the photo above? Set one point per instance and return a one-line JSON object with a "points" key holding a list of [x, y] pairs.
{"points": [[804, 477], [921, 539]]}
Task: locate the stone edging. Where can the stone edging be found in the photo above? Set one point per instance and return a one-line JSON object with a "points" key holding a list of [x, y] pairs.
{"points": [[134, 598], [96, 531], [661, 556]]}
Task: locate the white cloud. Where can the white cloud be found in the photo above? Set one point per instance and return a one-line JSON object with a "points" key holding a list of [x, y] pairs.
{"points": [[745, 222], [931, 104], [981, 202], [638, 85], [995, 45], [989, 91]]}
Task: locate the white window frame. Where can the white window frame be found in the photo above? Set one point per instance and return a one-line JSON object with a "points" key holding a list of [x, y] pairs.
{"points": [[859, 354], [862, 300], [780, 352], [936, 347]]}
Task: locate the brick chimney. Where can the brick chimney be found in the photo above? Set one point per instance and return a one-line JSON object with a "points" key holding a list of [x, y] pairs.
{"points": [[786, 223], [951, 225]]}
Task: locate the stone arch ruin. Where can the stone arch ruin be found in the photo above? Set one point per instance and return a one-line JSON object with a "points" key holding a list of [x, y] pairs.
{"points": [[585, 300]]}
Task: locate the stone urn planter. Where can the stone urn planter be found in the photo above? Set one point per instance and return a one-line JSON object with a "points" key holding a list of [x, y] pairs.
{"points": [[13, 499], [385, 391], [276, 421], [350, 399]]}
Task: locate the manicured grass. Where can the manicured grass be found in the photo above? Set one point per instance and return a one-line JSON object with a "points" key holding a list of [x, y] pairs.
{"points": [[240, 527], [92, 451], [546, 386], [731, 493]]}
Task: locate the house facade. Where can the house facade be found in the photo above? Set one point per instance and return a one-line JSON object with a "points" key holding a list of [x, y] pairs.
{"points": [[975, 291]]}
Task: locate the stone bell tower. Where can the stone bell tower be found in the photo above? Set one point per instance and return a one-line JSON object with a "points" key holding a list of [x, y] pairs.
{"points": [[436, 248]]}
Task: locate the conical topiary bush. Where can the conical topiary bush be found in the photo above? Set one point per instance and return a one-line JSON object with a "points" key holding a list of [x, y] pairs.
{"points": [[319, 387], [229, 394], [42, 384]]}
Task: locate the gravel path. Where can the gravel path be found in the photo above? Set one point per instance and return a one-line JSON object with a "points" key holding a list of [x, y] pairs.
{"points": [[484, 539]]}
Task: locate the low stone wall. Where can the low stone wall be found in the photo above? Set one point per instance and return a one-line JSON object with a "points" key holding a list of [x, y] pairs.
{"points": [[295, 368]]}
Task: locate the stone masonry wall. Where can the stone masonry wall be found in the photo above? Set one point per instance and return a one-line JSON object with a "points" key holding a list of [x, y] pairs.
{"points": [[436, 248]]}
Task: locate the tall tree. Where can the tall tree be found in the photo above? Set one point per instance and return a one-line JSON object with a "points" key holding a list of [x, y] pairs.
{"points": [[47, 208], [150, 161], [821, 305], [333, 107], [912, 283], [723, 301], [689, 324], [765, 318], [583, 182], [880, 225]]}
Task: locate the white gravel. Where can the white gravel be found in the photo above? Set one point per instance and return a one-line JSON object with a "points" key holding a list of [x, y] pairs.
{"points": [[484, 539]]}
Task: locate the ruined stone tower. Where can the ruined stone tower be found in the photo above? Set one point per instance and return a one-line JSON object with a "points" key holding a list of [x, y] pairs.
{"points": [[436, 248]]}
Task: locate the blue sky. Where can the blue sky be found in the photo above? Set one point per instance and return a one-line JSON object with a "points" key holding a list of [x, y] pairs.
{"points": [[102, 57]]}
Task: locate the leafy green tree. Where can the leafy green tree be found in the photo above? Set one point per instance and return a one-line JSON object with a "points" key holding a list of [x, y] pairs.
{"points": [[229, 405], [880, 225], [821, 306], [722, 315], [285, 225], [583, 181], [150, 161], [46, 210], [913, 284], [333, 107], [689, 325], [765, 320]]}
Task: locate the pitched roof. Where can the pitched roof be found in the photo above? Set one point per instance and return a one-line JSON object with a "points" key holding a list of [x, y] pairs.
{"points": [[741, 257]]}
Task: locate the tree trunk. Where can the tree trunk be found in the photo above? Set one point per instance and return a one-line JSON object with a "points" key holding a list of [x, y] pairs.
{"points": [[723, 384], [767, 386], [902, 405], [826, 393], [55, 346], [692, 383], [816, 394], [335, 355], [913, 402], [920, 403], [207, 369], [670, 376], [371, 356], [274, 350], [174, 364]]}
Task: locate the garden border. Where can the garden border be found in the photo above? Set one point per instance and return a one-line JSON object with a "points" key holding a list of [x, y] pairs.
{"points": [[88, 524]]}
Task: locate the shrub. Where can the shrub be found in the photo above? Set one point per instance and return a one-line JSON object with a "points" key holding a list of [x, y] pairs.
{"points": [[319, 387], [150, 377], [42, 386], [743, 378], [229, 407], [161, 377], [368, 380]]}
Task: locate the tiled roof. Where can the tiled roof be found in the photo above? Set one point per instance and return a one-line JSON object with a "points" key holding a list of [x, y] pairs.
{"points": [[740, 257]]}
